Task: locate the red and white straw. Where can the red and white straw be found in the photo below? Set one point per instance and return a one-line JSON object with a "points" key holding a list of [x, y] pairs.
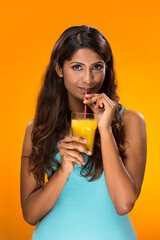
{"points": [[85, 106]]}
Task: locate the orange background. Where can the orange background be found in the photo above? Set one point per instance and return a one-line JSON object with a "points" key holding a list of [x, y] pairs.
{"points": [[29, 30]]}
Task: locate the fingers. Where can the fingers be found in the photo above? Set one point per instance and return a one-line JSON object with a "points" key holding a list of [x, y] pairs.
{"points": [[91, 98], [101, 101], [75, 146], [75, 142], [74, 138], [70, 149], [72, 156]]}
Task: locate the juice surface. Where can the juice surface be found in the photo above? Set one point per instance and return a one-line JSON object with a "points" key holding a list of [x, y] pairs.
{"points": [[85, 128]]}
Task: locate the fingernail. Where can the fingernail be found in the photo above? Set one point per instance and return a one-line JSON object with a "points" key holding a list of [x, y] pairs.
{"points": [[89, 152], [84, 140], [83, 163]]}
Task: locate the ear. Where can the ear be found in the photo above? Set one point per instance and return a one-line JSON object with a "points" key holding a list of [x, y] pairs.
{"points": [[59, 71]]}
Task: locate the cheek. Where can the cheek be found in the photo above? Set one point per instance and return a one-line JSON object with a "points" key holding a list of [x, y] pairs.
{"points": [[100, 77], [71, 78], [68, 78]]}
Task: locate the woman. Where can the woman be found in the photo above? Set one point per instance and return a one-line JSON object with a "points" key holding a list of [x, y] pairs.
{"points": [[86, 197]]}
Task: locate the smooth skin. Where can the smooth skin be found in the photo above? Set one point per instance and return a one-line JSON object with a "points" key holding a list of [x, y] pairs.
{"points": [[86, 70]]}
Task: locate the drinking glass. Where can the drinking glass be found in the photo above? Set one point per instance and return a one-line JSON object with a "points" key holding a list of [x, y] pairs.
{"points": [[84, 125]]}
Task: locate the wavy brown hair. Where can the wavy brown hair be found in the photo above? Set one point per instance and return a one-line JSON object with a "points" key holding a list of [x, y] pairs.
{"points": [[53, 117]]}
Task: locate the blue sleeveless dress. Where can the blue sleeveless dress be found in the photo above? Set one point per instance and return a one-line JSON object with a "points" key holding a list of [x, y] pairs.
{"points": [[84, 211]]}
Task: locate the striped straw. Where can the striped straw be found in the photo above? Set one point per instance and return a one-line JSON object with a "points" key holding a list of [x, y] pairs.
{"points": [[85, 106]]}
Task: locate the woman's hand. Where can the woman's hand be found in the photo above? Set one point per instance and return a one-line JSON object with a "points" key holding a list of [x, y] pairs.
{"points": [[104, 108], [69, 149]]}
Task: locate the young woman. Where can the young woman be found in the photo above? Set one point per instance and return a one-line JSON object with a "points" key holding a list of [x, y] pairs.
{"points": [[86, 196]]}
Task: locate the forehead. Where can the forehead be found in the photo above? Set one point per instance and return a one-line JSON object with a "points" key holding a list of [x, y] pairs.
{"points": [[85, 55]]}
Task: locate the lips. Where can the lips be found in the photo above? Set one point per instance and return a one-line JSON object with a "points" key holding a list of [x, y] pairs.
{"points": [[84, 89]]}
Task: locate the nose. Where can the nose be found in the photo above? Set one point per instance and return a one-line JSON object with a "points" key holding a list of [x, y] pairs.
{"points": [[87, 77]]}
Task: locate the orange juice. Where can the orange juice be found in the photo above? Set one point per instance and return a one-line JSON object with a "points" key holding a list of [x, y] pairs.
{"points": [[85, 128]]}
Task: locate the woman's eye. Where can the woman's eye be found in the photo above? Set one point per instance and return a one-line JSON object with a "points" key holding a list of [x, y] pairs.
{"points": [[97, 67], [77, 67]]}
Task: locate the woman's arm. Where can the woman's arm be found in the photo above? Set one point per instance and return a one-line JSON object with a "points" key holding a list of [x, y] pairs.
{"points": [[124, 178], [36, 203]]}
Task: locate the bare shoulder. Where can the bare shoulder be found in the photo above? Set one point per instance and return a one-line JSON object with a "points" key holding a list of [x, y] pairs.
{"points": [[131, 114], [27, 143], [134, 127], [134, 118], [30, 126]]}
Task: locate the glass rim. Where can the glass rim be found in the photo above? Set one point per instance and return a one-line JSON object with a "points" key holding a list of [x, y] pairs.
{"points": [[82, 113], [76, 115]]}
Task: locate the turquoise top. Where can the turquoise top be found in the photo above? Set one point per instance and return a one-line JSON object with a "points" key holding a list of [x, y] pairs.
{"points": [[84, 211]]}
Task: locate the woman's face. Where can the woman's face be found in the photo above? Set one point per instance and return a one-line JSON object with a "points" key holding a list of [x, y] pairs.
{"points": [[85, 71]]}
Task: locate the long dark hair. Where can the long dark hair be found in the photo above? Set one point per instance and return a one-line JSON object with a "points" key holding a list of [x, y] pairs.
{"points": [[53, 117]]}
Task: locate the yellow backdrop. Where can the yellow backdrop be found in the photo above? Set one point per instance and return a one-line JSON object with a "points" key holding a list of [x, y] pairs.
{"points": [[28, 31]]}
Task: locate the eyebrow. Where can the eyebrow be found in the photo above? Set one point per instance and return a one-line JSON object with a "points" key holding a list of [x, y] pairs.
{"points": [[84, 64]]}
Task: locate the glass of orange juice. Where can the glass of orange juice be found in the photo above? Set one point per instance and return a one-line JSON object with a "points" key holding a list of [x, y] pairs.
{"points": [[84, 125]]}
